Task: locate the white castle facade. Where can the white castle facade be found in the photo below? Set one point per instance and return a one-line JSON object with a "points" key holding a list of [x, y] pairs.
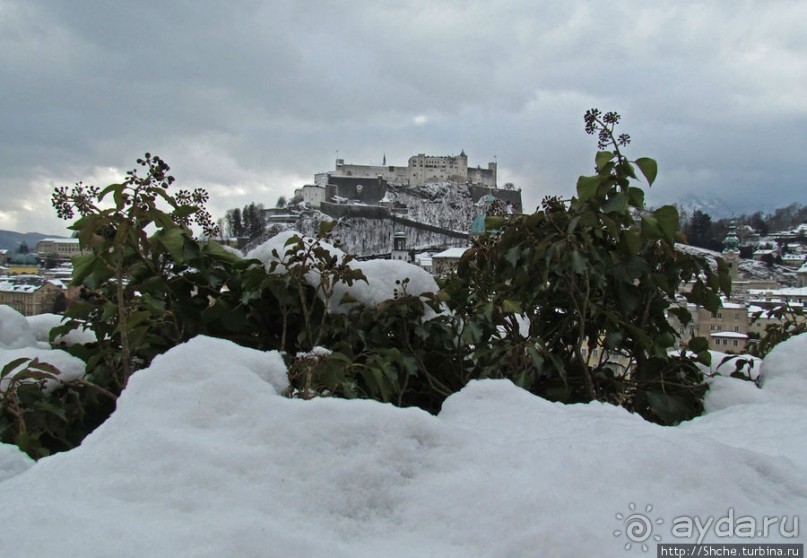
{"points": [[420, 170]]}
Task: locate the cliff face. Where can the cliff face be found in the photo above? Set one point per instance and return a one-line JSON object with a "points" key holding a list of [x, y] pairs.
{"points": [[433, 216]]}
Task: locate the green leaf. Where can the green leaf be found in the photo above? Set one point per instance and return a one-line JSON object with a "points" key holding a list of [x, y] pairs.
{"points": [[83, 266], [511, 306], [649, 168], [184, 210], [698, 344], [572, 224], [36, 364], [616, 204], [663, 341], [603, 158], [162, 220], [325, 227], [471, 334], [636, 197], [650, 228], [705, 358], [33, 374], [53, 409], [173, 240], [578, 263], [8, 368], [672, 409], [114, 188], [512, 256], [667, 217], [724, 276], [632, 241], [684, 316], [587, 187]]}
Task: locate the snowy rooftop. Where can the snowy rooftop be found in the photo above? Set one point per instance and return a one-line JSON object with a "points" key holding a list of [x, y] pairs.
{"points": [[729, 334], [27, 283], [61, 240], [786, 291], [451, 253]]}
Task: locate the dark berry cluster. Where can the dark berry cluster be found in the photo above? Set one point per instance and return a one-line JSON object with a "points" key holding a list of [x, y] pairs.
{"points": [[603, 125], [81, 198]]}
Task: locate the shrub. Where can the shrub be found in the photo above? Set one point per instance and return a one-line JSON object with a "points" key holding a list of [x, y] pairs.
{"points": [[592, 275], [547, 300]]}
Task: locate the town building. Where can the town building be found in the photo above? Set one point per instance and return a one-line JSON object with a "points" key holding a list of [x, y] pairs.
{"points": [[399, 250], [726, 330], [31, 295], [447, 260], [801, 274], [772, 298], [23, 264], [64, 248]]}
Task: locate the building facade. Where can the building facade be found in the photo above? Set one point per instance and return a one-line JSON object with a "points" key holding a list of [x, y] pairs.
{"points": [[420, 169], [726, 329], [32, 295], [62, 247]]}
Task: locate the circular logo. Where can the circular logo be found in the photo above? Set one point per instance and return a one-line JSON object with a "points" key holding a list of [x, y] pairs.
{"points": [[637, 527]]}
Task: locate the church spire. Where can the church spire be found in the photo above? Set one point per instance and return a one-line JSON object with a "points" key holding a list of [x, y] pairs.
{"points": [[731, 250], [732, 242]]}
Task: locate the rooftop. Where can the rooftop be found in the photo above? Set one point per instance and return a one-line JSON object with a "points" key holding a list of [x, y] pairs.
{"points": [[451, 253]]}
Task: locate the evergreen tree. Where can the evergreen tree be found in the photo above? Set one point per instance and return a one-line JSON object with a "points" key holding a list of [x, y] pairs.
{"points": [[699, 230], [253, 219], [235, 227]]}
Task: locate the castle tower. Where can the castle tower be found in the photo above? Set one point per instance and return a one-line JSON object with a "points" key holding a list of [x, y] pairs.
{"points": [[399, 251], [462, 166], [731, 250]]}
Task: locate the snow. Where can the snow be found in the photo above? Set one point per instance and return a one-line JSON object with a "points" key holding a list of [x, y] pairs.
{"points": [[770, 420], [381, 274], [15, 332], [18, 339], [41, 324], [455, 252], [783, 369], [204, 458], [13, 461], [22, 337], [381, 282], [729, 334], [277, 244]]}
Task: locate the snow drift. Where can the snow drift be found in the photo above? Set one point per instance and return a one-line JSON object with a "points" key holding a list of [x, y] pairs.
{"points": [[204, 458]]}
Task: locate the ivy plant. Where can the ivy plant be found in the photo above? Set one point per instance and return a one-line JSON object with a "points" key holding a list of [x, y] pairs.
{"points": [[572, 301]]}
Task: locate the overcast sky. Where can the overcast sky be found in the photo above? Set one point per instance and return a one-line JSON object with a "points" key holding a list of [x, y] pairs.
{"points": [[250, 98]]}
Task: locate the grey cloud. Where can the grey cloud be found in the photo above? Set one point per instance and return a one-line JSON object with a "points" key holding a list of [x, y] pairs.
{"points": [[250, 94]]}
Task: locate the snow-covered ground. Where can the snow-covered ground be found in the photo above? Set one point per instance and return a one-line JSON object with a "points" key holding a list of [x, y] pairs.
{"points": [[203, 457]]}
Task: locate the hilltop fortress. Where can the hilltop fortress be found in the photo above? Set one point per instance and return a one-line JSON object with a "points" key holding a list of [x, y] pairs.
{"points": [[370, 184], [423, 169], [432, 203]]}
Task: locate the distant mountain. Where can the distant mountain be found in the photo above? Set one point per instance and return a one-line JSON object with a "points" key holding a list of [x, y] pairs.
{"points": [[10, 240], [716, 208]]}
